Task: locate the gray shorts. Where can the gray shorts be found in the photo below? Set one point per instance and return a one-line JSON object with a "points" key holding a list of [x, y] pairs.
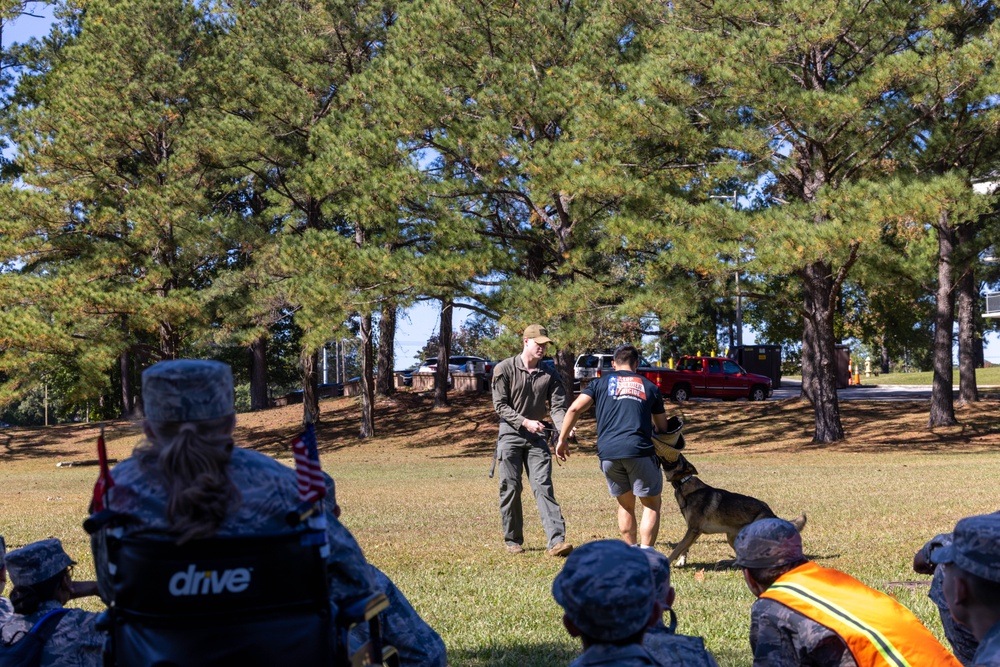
{"points": [[641, 476]]}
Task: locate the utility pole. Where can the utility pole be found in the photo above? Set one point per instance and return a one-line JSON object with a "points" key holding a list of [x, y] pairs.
{"points": [[739, 295]]}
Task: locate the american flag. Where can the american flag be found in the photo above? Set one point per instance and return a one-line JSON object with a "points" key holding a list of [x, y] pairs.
{"points": [[104, 479], [312, 487], [308, 472]]}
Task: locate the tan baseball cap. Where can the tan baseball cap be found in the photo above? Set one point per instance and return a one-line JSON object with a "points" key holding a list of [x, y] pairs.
{"points": [[537, 333]]}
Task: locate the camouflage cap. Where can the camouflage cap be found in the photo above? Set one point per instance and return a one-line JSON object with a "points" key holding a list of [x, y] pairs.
{"points": [[659, 565], [37, 562], [975, 547], [188, 390], [537, 333], [768, 543], [606, 589]]}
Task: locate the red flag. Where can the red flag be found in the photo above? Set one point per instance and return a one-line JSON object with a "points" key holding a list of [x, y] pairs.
{"points": [[104, 479], [308, 472]]}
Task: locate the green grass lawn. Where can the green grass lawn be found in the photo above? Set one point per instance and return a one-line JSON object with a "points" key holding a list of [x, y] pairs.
{"points": [[429, 518], [985, 377]]}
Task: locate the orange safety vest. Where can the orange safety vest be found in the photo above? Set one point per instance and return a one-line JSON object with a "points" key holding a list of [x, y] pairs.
{"points": [[878, 631]]}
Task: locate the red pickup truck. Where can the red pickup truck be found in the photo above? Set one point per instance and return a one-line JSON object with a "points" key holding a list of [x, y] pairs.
{"points": [[708, 377]]}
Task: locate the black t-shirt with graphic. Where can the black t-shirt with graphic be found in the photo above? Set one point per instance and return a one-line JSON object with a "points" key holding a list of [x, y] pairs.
{"points": [[625, 405]]}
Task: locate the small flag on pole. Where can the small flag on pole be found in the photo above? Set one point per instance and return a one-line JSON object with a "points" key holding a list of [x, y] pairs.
{"points": [[104, 479], [308, 472], [312, 486]]}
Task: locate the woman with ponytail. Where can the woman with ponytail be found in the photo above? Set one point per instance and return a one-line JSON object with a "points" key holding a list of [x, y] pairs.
{"points": [[187, 479], [43, 583]]}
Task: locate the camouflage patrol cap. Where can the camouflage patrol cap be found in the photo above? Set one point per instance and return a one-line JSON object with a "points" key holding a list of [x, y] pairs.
{"points": [[186, 390], [975, 547], [768, 543], [606, 589], [36, 562], [660, 567]]}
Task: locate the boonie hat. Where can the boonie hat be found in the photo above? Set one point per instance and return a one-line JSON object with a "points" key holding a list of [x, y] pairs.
{"points": [[768, 543], [537, 333], [975, 547], [606, 589], [36, 562], [184, 390], [659, 566]]}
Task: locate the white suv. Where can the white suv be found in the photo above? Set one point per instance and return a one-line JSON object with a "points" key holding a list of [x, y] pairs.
{"points": [[594, 365]]}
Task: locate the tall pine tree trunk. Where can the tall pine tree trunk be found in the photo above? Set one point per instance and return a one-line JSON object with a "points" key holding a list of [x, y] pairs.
{"points": [[258, 374], [819, 368], [310, 387], [367, 379], [385, 382], [942, 391], [564, 364], [125, 370], [967, 390], [444, 354]]}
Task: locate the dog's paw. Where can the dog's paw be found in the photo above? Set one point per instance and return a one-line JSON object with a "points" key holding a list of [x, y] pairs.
{"points": [[680, 561]]}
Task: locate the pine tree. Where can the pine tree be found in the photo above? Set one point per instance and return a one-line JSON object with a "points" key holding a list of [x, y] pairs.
{"points": [[831, 87], [110, 235]]}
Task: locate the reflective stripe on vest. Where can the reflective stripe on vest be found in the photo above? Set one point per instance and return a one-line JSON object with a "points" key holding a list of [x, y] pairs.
{"points": [[878, 630]]}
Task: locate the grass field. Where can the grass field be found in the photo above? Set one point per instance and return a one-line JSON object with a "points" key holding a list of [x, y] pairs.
{"points": [[986, 378], [419, 501]]}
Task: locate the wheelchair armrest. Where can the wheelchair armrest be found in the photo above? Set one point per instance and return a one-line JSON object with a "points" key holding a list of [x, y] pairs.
{"points": [[363, 610]]}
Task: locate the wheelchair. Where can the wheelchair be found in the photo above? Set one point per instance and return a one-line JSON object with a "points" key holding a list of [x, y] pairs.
{"points": [[251, 601]]}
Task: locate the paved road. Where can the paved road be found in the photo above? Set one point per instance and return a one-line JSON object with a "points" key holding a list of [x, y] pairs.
{"points": [[867, 392]]}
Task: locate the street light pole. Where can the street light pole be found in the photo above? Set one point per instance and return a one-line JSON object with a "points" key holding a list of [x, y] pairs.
{"points": [[739, 295]]}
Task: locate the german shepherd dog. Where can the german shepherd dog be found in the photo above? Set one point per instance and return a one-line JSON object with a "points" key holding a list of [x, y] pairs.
{"points": [[708, 510]]}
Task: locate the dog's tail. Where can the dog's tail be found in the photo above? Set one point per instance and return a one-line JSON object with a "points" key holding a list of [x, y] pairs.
{"points": [[799, 522]]}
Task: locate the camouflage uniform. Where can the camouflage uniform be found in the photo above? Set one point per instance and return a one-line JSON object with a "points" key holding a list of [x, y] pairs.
{"points": [[662, 643], [963, 643], [975, 548], [75, 641], [606, 590], [402, 628], [631, 655], [268, 491], [188, 390], [5, 607], [781, 636]]}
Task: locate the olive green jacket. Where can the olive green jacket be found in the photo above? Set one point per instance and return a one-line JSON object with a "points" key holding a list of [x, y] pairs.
{"points": [[519, 394]]}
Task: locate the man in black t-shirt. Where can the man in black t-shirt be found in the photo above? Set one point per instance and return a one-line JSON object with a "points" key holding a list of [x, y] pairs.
{"points": [[628, 405]]}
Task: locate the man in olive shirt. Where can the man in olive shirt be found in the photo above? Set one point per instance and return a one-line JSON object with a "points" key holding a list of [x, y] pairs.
{"points": [[523, 394]]}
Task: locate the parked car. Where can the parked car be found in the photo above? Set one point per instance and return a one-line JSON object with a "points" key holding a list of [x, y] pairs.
{"points": [[459, 363], [708, 377], [590, 366]]}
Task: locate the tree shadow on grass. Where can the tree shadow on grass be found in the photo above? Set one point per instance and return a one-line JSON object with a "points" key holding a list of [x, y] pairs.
{"points": [[72, 441], [870, 427], [516, 655]]}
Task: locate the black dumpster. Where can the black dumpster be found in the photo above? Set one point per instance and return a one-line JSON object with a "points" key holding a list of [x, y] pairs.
{"points": [[760, 359], [842, 355]]}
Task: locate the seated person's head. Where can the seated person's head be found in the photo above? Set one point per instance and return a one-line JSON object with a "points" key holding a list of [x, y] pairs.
{"points": [[190, 415], [626, 357], [767, 549], [659, 566], [606, 591], [972, 572], [39, 572]]}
